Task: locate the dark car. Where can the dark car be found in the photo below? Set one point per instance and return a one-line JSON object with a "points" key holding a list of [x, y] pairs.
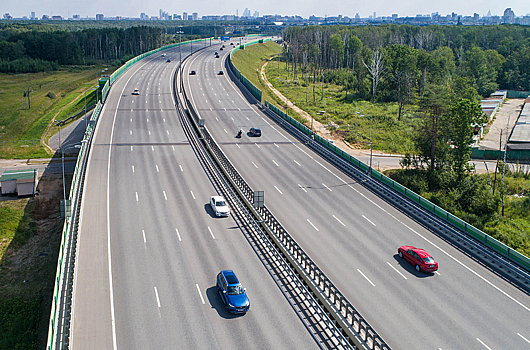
{"points": [[232, 292], [419, 258], [192, 72], [221, 49], [168, 60], [216, 53], [216, 56], [231, 43], [221, 73], [254, 132]]}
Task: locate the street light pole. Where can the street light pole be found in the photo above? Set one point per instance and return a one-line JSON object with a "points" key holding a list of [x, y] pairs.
{"points": [[180, 52]]}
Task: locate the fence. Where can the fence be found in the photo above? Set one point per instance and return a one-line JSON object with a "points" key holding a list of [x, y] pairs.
{"points": [[449, 218], [58, 331]]}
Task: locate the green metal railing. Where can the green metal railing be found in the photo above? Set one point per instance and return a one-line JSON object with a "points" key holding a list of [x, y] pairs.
{"points": [[471, 231], [67, 237]]}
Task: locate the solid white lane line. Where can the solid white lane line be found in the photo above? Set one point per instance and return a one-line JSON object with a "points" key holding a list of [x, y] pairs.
{"points": [[326, 186], [209, 229], [157, 168], [136, 196], [255, 165], [157, 299], [312, 224], [164, 195], [192, 194], [257, 145], [275, 163], [519, 334], [297, 162], [237, 144], [402, 275], [336, 218], [278, 189], [366, 277], [276, 145], [481, 342], [302, 188], [133, 168], [199, 290], [180, 166], [368, 220], [143, 234], [178, 234]]}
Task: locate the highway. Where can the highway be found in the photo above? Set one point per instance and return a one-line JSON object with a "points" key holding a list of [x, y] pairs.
{"points": [[149, 246], [353, 235]]}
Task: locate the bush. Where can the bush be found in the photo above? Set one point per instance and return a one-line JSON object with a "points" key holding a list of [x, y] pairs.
{"points": [[51, 95], [19, 322], [27, 65]]}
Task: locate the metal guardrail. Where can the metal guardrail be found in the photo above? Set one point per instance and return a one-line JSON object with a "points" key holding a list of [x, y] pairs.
{"points": [[357, 329], [59, 324], [522, 261]]}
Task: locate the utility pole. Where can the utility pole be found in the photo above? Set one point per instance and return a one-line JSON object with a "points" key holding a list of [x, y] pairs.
{"points": [[26, 98]]}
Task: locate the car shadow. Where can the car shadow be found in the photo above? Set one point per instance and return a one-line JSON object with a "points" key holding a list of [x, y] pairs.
{"points": [[209, 210], [217, 303], [411, 269]]}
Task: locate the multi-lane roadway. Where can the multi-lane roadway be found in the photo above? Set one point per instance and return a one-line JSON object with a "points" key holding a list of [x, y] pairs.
{"points": [[353, 235], [149, 245]]}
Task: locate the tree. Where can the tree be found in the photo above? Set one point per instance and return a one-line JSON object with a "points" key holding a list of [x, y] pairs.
{"points": [[463, 115], [376, 69], [401, 63]]}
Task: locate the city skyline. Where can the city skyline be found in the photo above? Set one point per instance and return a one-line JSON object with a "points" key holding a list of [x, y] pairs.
{"points": [[134, 8]]}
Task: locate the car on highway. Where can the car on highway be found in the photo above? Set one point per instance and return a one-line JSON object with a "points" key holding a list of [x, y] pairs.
{"points": [[254, 132], [216, 53], [163, 55], [221, 73], [192, 72], [221, 49], [168, 60], [136, 92], [219, 206], [216, 56], [419, 258], [232, 292]]}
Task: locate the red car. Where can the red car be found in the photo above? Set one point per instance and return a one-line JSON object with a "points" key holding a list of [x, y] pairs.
{"points": [[418, 257]]}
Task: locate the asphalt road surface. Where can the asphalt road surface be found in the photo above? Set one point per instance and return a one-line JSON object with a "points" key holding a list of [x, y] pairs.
{"points": [[353, 235], [150, 247]]}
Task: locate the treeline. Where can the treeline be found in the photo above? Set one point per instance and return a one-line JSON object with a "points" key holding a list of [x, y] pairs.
{"points": [[30, 51], [397, 62]]}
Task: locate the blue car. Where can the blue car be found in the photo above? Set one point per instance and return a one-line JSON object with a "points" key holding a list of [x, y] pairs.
{"points": [[232, 292]]}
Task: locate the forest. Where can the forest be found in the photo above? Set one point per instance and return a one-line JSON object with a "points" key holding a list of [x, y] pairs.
{"points": [[402, 59]]}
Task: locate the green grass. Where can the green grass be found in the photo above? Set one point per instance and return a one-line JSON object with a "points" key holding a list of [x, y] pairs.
{"points": [[390, 135], [15, 225], [17, 123]]}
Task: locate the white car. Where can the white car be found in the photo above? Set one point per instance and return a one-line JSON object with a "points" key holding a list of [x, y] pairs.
{"points": [[219, 206], [136, 92], [163, 55]]}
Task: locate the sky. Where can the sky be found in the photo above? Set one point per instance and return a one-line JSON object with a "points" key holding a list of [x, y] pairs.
{"points": [[306, 8]]}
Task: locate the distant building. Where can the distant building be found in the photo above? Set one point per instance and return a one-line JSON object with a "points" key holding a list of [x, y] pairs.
{"points": [[508, 16], [190, 17], [7, 16], [184, 16], [177, 17], [143, 16], [57, 18], [99, 17], [76, 17], [195, 16], [33, 15], [45, 17], [256, 14], [476, 17]]}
